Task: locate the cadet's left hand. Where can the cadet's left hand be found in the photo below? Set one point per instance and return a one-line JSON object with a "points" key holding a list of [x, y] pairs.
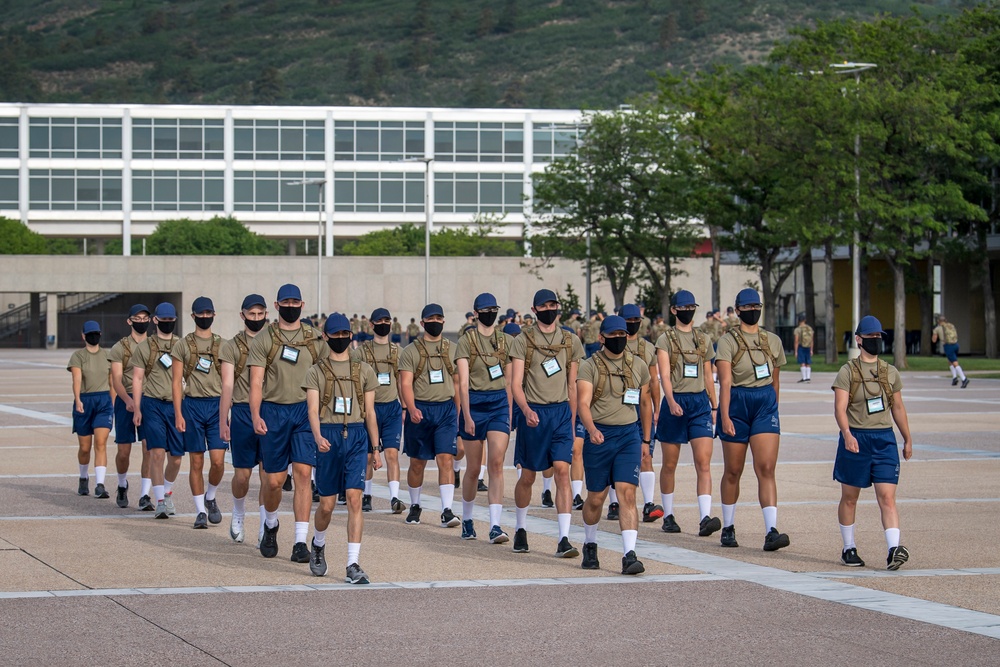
{"points": [[376, 460], [907, 450], [79, 407], [180, 424], [647, 458]]}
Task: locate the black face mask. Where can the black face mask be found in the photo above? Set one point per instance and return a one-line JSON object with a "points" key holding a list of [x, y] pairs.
{"points": [[204, 322], [166, 327], [750, 317], [632, 327], [433, 329], [872, 346], [382, 329], [547, 316], [487, 317], [140, 327], [92, 338], [616, 345], [290, 314], [684, 316], [339, 345], [255, 325]]}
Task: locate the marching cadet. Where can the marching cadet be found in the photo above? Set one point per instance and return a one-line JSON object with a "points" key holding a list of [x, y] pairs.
{"points": [[646, 351], [947, 335], [803, 344], [93, 411]]}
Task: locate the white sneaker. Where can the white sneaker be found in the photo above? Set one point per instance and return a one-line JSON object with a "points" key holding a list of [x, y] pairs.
{"points": [[168, 500], [236, 530]]}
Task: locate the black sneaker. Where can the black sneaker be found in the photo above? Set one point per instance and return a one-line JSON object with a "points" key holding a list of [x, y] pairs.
{"points": [[317, 560], [954, 382], [269, 542], [300, 553], [482, 486], [897, 556], [287, 486], [146, 504], [631, 564], [366, 503], [802, 380], [590, 561], [669, 525], [965, 383], [578, 502], [651, 512], [448, 519], [214, 514], [546, 499], [566, 550], [521, 541], [468, 529], [355, 575], [850, 558], [397, 506], [709, 525], [341, 499], [729, 537], [201, 521], [458, 479], [83, 489], [121, 498], [613, 512], [414, 515], [775, 540], [100, 491], [315, 492]]}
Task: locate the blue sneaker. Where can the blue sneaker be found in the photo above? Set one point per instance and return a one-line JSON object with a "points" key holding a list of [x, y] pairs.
{"points": [[497, 536], [468, 530]]}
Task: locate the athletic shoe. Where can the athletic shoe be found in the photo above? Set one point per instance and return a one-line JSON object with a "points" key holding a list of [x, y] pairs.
{"points": [[414, 515], [397, 506], [954, 382], [590, 561], [100, 491], [497, 536], [802, 380], [315, 492], [578, 502], [482, 486], [355, 575], [897, 556], [161, 510], [521, 541], [145, 504], [121, 498], [84, 488], [651, 512], [546, 499], [850, 558], [566, 550], [214, 514], [269, 542], [317, 560], [300, 553], [468, 530], [169, 500], [669, 525], [631, 564], [236, 531], [709, 525], [775, 540], [287, 486], [458, 479], [965, 383], [341, 499], [729, 537], [448, 519], [613, 512], [201, 521], [366, 503]]}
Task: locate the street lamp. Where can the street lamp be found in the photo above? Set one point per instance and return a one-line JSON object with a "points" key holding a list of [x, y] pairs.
{"points": [[856, 69], [427, 223], [321, 182]]}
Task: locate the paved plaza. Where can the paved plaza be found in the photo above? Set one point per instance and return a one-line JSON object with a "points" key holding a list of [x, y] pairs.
{"points": [[83, 582]]}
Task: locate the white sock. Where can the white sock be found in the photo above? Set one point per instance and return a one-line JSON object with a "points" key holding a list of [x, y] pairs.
{"points": [[715, 378], [467, 506], [589, 533], [522, 514], [705, 505], [157, 493], [239, 506], [667, 499], [262, 513], [456, 465], [199, 503], [270, 519], [577, 486], [415, 495], [847, 534], [210, 490], [312, 474], [954, 371], [122, 479], [301, 531], [770, 518], [961, 373], [99, 473], [546, 484], [168, 487], [495, 512], [84, 471], [805, 372], [145, 484], [809, 372], [368, 487], [892, 537], [647, 480], [353, 551], [519, 473], [728, 514], [290, 470], [564, 522], [447, 495], [612, 496], [394, 489], [319, 538], [628, 540], [482, 472]]}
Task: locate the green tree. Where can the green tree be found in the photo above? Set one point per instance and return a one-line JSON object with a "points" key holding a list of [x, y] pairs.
{"points": [[217, 236], [508, 17], [268, 88], [17, 239]]}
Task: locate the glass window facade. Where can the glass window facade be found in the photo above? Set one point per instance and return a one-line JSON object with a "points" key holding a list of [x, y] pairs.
{"points": [[553, 140], [377, 140], [177, 190], [379, 192], [478, 193], [478, 142], [8, 188], [75, 190], [8, 137], [177, 139], [279, 140], [270, 191], [79, 138]]}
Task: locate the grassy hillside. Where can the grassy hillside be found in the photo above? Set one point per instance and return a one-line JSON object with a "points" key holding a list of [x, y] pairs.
{"points": [[558, 53]]}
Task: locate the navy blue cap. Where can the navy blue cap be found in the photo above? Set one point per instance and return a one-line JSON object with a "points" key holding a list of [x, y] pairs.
{"points": [[252, 300], [484, 301], [201, 304], [289, 291], [613, 323], [336, 323], [469, 314], [165, 311], [869, 324], [683, 298], [511, 329], [543, 296], [747, 297], [90, 326], [431, 309], [575, 311], [138, 308], [380, 314], [630, 311]]}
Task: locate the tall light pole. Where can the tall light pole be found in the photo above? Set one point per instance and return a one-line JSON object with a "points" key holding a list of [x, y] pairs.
{"points": [[427, 223], [321, 182], [856, 69]]}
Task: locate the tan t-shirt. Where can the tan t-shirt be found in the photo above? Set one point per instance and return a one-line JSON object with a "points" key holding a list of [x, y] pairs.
{"points": [[643, 349], [481, 377], [688, 376], [344, 402], [158, 382], [230, 353], [94, 368], [117, 354], [541, 386], [805, 334], [283, 378], [377, 356], [435, 383], [616, 406], [204, 380], [857, 407], [744, 373]]}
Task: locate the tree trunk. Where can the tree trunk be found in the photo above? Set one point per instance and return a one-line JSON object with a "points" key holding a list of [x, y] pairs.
{"points": [[808, 287], [865, 289], [667, 283], [769, 295], [927, 309], [899, 314], [989, 302], [831, 307], [716, 261]]}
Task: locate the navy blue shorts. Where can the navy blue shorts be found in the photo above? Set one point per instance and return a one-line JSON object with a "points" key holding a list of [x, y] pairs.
{"points": [[437, 432], [752, 410], [696, 422], [201, 422], [390, 423], [490, 411], [245, 443], [877, 460], [590, 348], [951, 351], [552, 440], [345, 465], [125, 430], [515, 416], [98, 412], [579, 431], [804, 356], [288, 439], [397, 338], [617, 459], [160, 426]]}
